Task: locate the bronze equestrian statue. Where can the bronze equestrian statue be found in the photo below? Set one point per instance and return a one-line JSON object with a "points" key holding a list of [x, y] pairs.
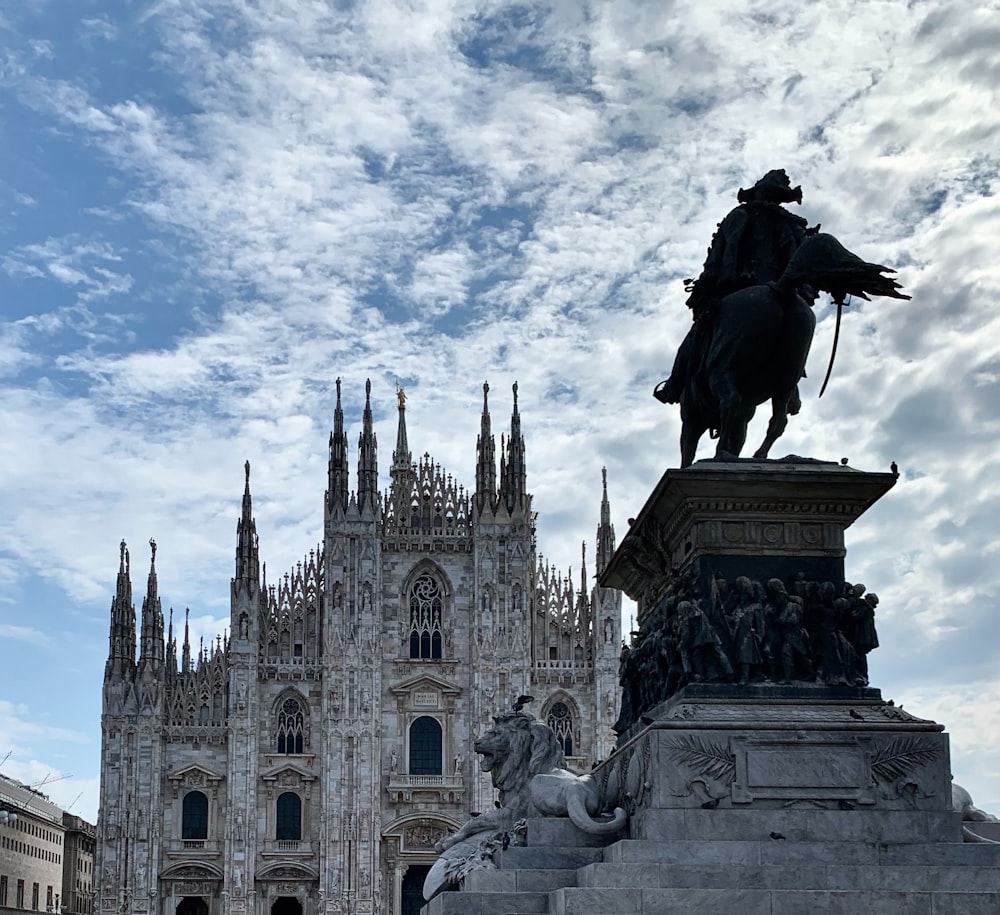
{"points": [[753, 317]]}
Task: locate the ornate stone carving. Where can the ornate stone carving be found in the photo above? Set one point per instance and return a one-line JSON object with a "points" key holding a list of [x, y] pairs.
{"points": [[704, 757], [423, 836], [894, 759], [749, 632]]}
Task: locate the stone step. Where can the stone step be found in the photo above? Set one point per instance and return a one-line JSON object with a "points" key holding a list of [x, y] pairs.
{"points": [[814, 876], [560, 831], [451, 903], [525, 880], [798, 825], [743, 852], [648, 901], [553, 857]]}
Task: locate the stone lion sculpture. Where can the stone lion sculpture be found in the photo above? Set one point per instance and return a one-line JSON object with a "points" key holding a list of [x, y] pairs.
{"points": [[961, 801], [528, 768]]}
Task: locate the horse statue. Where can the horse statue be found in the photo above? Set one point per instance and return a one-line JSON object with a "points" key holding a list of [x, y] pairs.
{"points": [[756, 345]]}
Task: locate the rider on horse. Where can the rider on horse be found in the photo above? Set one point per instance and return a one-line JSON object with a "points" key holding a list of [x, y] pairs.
{"points": [[751, 246]]}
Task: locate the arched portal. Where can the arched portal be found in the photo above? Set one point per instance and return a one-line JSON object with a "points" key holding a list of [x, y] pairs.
{"points": [[286, 905], [192, 905], [413, 889]]}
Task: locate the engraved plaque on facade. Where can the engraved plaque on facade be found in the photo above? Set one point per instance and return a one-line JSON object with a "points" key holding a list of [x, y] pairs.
{"points": [[425, 698]]}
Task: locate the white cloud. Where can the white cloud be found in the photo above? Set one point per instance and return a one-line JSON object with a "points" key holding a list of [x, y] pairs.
{"points": [[447, 192], [23, 634]]}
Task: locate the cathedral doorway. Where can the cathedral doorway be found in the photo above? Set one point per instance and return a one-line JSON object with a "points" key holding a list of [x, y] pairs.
{"points": [[192, 905], [286, 905], [413, 889]]}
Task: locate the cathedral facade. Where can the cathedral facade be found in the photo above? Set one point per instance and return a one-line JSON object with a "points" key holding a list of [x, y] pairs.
{"points": [[307, 762]]}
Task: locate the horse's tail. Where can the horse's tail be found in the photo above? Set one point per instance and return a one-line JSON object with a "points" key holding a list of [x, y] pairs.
{"points": [[823, 262]]}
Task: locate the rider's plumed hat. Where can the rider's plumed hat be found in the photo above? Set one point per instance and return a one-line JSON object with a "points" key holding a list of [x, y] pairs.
{"points": [[774, 187]]}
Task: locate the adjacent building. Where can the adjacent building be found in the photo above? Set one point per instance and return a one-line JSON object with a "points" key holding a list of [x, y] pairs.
{"points": [[306, 763], [79, 848], [32, 841]]}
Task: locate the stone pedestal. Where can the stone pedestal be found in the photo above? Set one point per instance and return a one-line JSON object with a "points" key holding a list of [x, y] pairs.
{"points": [[723, 762], [762, 519], [809, 797]]}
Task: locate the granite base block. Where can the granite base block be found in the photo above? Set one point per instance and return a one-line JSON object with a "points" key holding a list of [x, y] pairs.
{"points": [[452, 903], [595, 901], [525, 880], [548, 832], [552, 858], [798, 825], [707, 902], [816, 875]]}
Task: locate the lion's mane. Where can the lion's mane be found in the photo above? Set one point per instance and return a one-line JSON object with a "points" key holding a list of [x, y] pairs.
{"points": [[525, 748]]}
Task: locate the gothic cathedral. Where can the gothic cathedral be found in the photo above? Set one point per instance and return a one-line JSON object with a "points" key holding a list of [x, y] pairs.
{"points": [[307, 763]]}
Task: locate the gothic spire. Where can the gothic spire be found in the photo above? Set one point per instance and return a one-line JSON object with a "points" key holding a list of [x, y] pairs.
{"points": [[401, 458], [513, 483], [338, 483], [186, 648], [151, 644], [401, 471], [171, 646], [367, 461], [247, 557], [486, 463], [121, 647], [605, 530], [582, 600]]}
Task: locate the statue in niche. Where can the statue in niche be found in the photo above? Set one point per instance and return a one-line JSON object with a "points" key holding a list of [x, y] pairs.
{"points": [[393, 762], [753, 319], [238, 826]]}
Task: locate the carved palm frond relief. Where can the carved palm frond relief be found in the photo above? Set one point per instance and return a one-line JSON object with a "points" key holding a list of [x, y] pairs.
{"points": [[896, 758], [704, 757]]}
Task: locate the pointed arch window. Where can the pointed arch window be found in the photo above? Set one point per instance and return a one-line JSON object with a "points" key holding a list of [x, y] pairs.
{"points": [[194, 816], [561, 721], [426, 606], [291, 726], [288, 818], [425, 747]]}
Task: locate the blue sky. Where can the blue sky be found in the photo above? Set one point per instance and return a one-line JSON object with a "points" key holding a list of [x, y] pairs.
{"points": [[211, 210]]}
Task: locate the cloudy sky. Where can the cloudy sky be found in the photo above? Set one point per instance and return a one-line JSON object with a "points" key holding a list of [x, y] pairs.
{"points": [[211, 209]]}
